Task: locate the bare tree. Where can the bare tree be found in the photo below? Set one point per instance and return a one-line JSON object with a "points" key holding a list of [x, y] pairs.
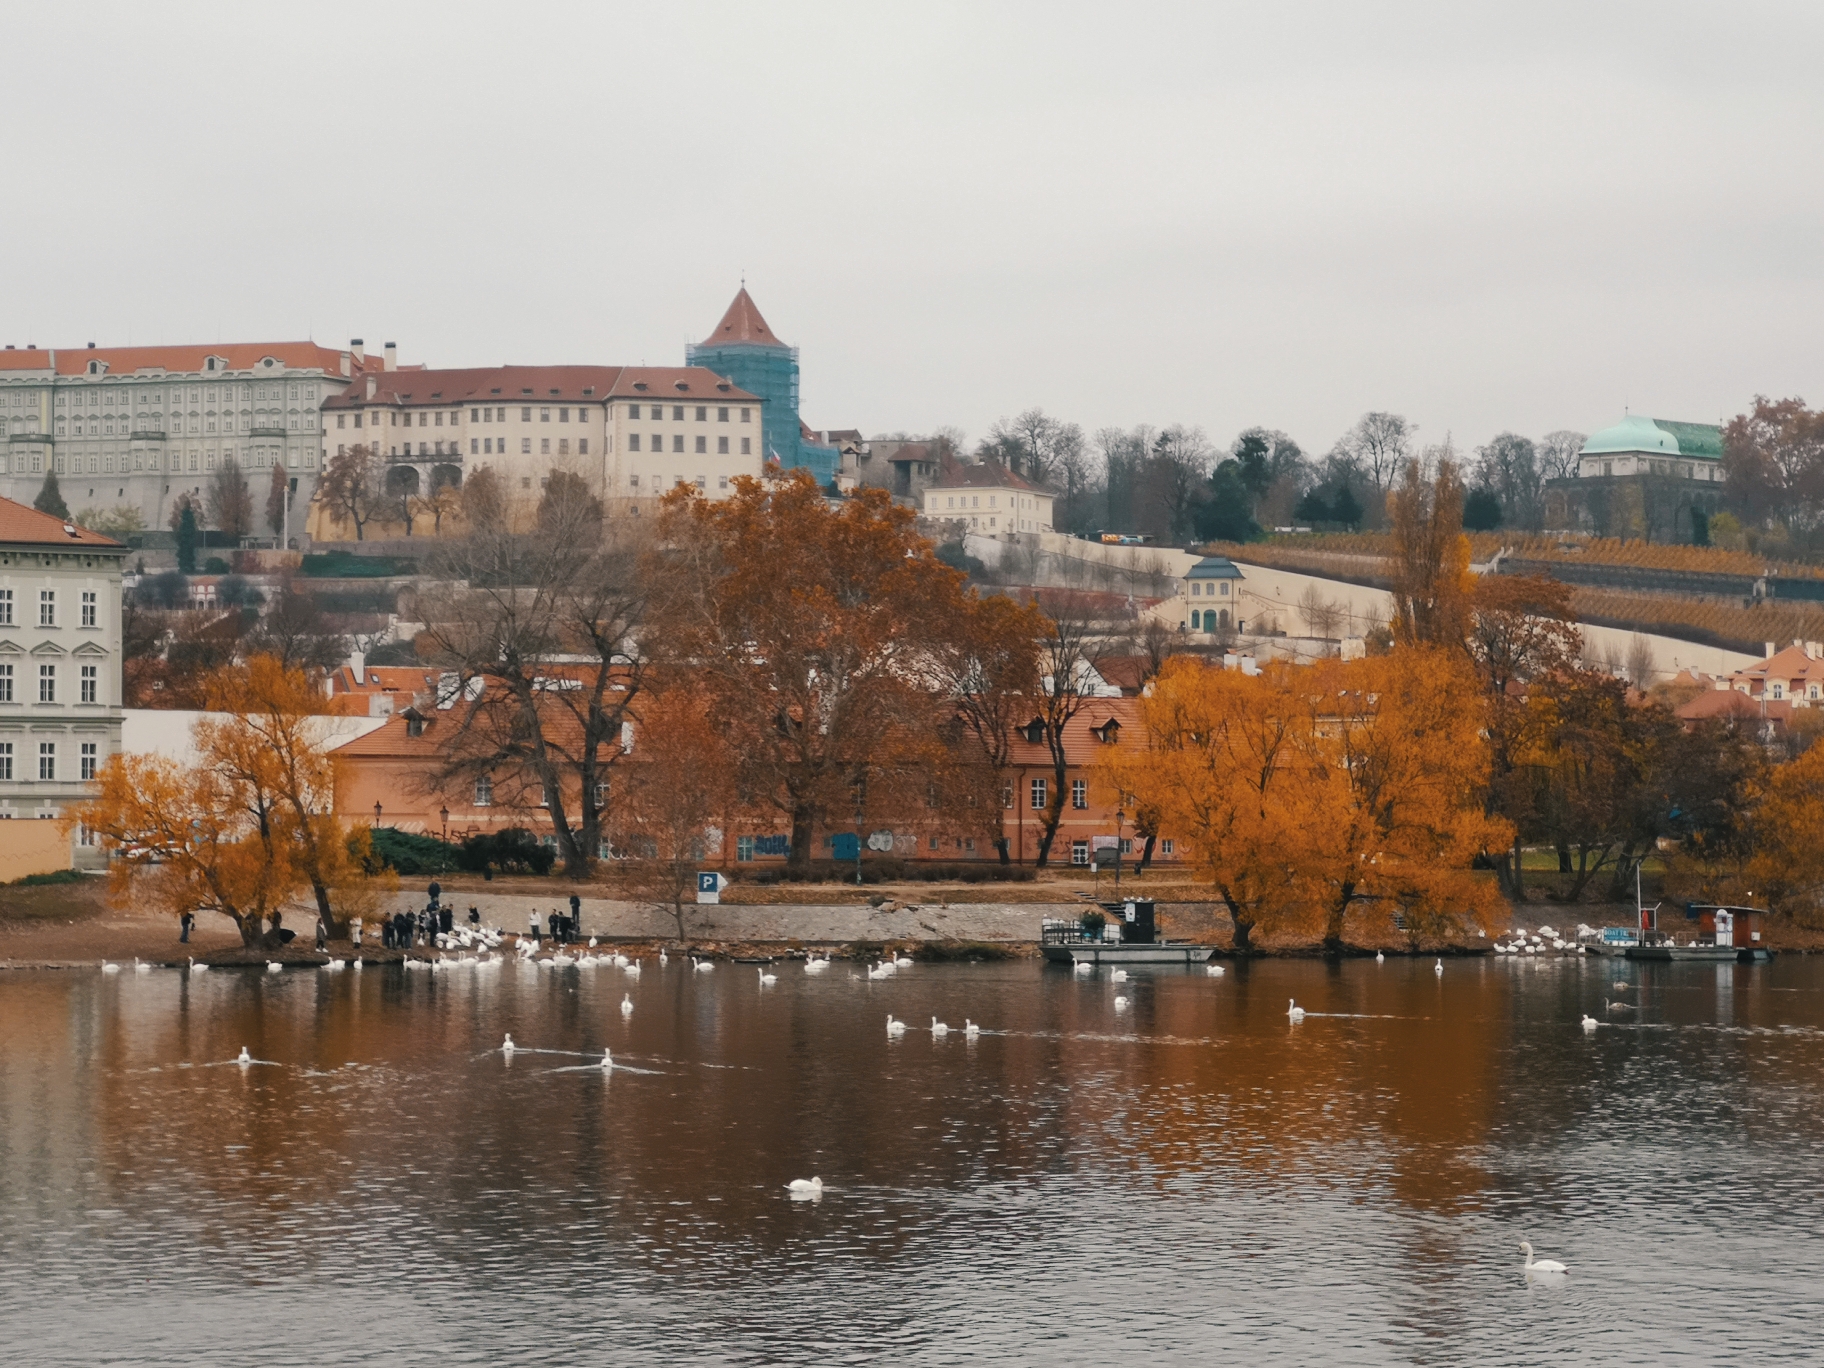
{"points": [[231, 501], [1640, 661], [353, 487], [1321, 615], [1378, 445], [540, 628], [1509, 466], [1071, 653], [1033, 444], [1558, 454]]}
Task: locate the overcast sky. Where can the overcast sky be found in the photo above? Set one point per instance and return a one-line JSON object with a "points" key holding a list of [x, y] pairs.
{"points": [[1483, 216]]}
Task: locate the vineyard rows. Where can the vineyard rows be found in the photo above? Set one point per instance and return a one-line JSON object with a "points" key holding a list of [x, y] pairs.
{"points": [[1307, 551], [1747, 628]]}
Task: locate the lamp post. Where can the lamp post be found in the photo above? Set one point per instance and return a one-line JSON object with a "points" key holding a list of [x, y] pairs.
{"points": [[445, 814], [1120, 817], [376, 814]]}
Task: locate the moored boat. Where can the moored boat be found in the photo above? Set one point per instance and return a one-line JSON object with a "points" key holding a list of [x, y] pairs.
{"points": [[1127, 935]]}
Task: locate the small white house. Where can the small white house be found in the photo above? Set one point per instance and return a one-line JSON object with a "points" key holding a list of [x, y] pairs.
{"points": [[1210, 596], [987, 498]]}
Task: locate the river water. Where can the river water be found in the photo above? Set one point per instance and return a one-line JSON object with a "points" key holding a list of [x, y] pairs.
{"points": [[1191, 1178]]}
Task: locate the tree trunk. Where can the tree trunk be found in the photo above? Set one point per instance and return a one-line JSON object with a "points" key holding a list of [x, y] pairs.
{"points": [[1564, 857], [252, 930], [1054, 815], [1244, 926], [1146, 855], [798, 863], [1005, 846], [1333, 920], [1516, 875], [333, 929]]}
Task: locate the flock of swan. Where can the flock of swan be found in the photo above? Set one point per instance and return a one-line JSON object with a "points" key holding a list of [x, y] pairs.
{"points": [[1546, 940]]}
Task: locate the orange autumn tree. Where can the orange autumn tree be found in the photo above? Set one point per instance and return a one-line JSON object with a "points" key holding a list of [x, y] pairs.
{"points": [[1398, 773], [188, 839], [808, 629], [1225, 769], [1432, 584], [250, 823], [672, 797], [1787, 866]]}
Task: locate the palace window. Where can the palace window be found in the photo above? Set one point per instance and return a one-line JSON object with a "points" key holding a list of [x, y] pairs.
{"points": [[90, 683], [1079, 794], [484, 791], [88, 761], [1038, 794], [1079, 852]]}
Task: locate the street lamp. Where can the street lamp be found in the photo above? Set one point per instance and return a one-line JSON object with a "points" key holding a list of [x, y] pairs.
{"points": [[1120, 817], [376, 813], [445, 814]]}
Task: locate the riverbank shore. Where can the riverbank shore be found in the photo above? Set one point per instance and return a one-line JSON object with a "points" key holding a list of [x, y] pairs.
{"points": [[73, 926]]}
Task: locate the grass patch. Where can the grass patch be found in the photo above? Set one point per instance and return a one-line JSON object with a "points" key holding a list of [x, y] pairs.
{"points": [[56, 876]]}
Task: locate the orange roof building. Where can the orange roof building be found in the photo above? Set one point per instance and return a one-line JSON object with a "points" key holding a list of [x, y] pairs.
{"points": [[988, 498], [138, 427]]}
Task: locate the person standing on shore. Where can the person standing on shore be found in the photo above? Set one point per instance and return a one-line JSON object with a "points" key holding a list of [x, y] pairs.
{"points": [[576, 918], [184, 923]]}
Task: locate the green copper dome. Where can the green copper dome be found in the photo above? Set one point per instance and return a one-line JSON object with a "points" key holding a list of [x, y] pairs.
{"points": [[1657, 436]]}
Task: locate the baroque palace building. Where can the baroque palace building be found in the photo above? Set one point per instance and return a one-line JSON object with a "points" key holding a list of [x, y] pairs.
{"points": [[631, 432], [137, 427]]}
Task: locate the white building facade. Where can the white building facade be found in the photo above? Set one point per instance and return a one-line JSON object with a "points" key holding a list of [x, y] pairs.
{"points": [[60, 664], [137, 427], [986, 498]]}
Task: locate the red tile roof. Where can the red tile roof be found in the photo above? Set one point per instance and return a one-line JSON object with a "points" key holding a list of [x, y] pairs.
{"points": [[742, 323], [1790, 664], [240, 356], [984, 476], [547, 384], [1732, 703], [21, 524]]}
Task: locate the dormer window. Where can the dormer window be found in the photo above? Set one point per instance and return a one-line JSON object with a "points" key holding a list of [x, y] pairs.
{"points": [[1035, 731], [1108, 733], [639, 384]]}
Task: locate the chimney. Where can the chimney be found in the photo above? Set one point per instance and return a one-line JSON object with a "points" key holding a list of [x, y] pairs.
{"points": [[392, 356], [345, 363], [1770, 649], [373, 383], [357, 666], [359, 348]]}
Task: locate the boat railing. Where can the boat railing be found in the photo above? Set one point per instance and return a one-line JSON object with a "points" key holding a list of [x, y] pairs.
{"points": [[1063, 931]]}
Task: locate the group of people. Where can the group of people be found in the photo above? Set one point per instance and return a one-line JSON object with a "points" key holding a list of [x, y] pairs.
{"points": [[436, 918], [564, 930]]}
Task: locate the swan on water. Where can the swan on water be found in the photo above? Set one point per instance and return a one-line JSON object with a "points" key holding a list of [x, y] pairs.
{"points": [[1293, 1010], [663, 958], [702, 966], [607, 1059], [632, 968], [273, 966], [1379, 958], [805, 1185], [1541, 1265], [1120, 1004], [895, 1027], [626, 1004], [1617, 1006], [1119, 976], [507, 1046], [592, 942], [879, 971], [621, 961], [1084, 966], [902, 961], [196, 968], [1213, 970], [140, 967], [1438, 968], [970, 1029], [1589, 1022], [938, 1028], [357, 964], [766, 978], [813, 965], [245, 1059], [107, 968], [1621, 986]]}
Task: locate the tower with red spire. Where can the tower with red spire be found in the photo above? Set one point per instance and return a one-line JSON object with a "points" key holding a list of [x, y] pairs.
{"points": [[744, 350]]}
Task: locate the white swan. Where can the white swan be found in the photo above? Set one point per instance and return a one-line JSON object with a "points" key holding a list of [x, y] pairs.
{"points": [[766, 978], [970, 1029], [1589, 1022], [1621, 986], [1379, 958], [140, 967], [626, 1004], [632, 968], [895, 1028], [621, 961], [702, 966], [805, 1185], [879, 971], [663, 957], [813, 965], [607, 1060], [196, 968], [938, 1028], [1214, 970], [1293, 1010], [273, 966], [1541, 1265], [1119, 976], [107, 968], [1617, 1006], [506, 1046], [357, 964], [1120, 1004], [1084, 966], [1438, 968], [902, 961], [245, 1059]]}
